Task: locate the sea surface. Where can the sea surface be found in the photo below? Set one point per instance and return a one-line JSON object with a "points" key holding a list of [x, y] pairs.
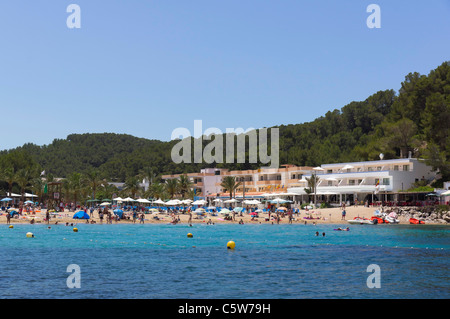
{"points": [[130, 261]]}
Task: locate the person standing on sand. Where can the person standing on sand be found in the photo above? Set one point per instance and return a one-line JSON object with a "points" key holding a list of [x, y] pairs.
{"points": [[343, 215], [47, 217], [190, 217], [8, 218]]}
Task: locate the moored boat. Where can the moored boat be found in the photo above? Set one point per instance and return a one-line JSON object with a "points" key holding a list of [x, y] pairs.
{"points": [[362, 221], [392, 220], [416, 221]]}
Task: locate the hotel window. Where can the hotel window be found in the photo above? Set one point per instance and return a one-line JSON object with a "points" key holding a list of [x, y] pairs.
{"points": [[351, 182], [261, 178], [405, 168], [330, 183], [278, 177], [379, 168], [385, 181], [329, 171], [370, 169], [359, 181], [395, 167]]}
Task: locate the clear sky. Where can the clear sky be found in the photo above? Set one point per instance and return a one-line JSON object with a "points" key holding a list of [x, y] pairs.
{"points": [[147, 67]]}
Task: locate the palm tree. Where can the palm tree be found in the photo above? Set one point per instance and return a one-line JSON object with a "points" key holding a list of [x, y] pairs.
{"points": [[156, 190], [150, 174], [107, 190], [172, 186], [9, 176], [132, 185], [75, 185], [184, 185], [23, 179], [94, 180], [37, 185], [313, 181], [229, 183]]}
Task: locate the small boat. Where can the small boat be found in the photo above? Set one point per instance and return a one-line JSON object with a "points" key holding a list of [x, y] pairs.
{"points": [[416, 221], [379, 220], [362, 221], [391, 220]]}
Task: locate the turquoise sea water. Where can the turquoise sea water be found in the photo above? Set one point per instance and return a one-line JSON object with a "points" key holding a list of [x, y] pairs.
{"points": [[269, 261]]}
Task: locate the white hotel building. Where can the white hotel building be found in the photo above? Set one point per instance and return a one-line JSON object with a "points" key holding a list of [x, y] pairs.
{"points": [[381, 180]]}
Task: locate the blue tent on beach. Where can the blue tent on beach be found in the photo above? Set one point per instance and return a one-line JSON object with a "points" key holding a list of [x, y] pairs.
{"points": [[118, 212], [80, 215], [13, 212]]}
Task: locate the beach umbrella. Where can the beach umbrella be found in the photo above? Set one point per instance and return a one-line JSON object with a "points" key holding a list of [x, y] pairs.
{"points": [[29, 202], [6, 199], [200, 202], [224, 211], [278, 201], [159, 202], [237, 209], [143, 200], [173, 202], [217, 200], [128, 199], [233, 200], [118, 199], [105, 204], [186, 201]]}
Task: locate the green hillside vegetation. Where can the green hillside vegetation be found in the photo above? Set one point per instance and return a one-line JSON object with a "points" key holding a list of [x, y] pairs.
{"points": [[415, 121]]}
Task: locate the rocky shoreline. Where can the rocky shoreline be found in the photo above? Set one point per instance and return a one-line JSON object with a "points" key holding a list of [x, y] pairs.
{"points": [[429, 214]]}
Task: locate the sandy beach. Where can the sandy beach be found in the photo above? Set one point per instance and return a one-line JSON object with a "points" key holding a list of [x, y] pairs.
{"points": [[321, 216]]}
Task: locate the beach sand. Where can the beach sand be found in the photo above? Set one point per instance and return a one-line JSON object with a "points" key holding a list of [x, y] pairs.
{"points": [[322, 216]]}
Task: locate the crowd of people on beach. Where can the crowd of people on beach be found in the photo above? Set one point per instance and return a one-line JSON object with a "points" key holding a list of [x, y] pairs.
{"points": [[139, 214]]}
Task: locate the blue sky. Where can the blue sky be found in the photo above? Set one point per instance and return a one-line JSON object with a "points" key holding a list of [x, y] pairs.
{"points": [[147, 67]]}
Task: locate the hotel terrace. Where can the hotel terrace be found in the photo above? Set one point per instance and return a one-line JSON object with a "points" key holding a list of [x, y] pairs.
{"points": [[254, 183], [382, 180], [369, 181]]}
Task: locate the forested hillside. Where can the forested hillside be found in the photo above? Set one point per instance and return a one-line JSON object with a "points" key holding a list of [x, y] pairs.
{"points": [[416, 121]]}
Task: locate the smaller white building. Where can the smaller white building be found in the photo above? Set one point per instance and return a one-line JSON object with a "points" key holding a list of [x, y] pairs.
{"points": [[367, 181]]}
